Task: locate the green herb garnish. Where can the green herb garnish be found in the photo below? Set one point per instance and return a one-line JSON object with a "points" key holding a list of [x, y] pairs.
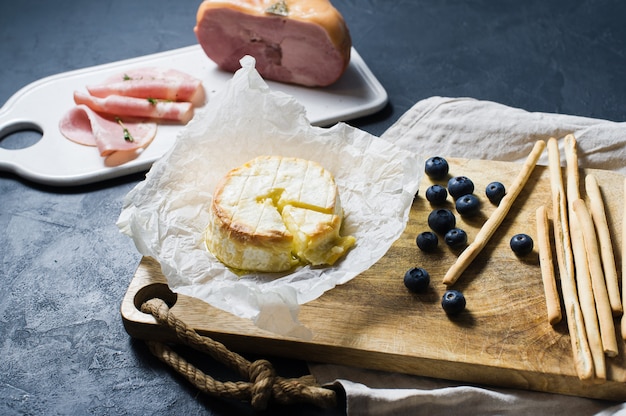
{"points": [[127, 136], [279, 8], [152, 101]]}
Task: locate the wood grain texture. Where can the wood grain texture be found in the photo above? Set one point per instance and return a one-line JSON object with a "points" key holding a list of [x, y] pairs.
{"points": [[503, 338]]}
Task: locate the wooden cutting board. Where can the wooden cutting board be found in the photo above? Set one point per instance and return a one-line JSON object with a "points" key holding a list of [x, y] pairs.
{"points": [[502, 339]]}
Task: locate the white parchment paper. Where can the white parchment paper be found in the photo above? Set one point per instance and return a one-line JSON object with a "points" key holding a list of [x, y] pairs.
{"points": [[166, 214]]}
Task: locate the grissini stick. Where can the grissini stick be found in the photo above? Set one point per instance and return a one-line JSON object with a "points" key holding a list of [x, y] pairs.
{"points": [[583, 361], [553, 304], [624, 261], [586, 298], [583, 278], [495, 219], [598, 214], [603, 305]]}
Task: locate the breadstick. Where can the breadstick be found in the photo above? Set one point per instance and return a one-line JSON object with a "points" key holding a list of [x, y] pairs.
{"points": [[598, 214], [583, 278], [586, 298], [553, 305], [493, 222], [573, 177], [583, 361], [603, 306], [624, 260]]}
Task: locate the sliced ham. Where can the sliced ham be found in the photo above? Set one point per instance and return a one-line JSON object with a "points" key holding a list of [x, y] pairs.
{"points": [[302, 42], [157, 83], [107, 116], [118, 105], [110, 135]]}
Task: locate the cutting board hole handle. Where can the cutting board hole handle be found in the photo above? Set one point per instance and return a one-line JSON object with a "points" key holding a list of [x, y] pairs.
{"points": [[155, 290], [20, 135]]}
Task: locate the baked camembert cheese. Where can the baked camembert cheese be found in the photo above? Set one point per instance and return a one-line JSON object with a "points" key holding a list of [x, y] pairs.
{"points": [[274, 213]]}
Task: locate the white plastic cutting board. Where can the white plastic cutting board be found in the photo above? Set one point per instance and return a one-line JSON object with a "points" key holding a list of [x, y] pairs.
{"points": [[54, 160]]}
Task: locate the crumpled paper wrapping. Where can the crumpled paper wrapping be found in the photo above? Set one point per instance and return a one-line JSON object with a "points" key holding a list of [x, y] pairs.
{"points": [[166, 214]]}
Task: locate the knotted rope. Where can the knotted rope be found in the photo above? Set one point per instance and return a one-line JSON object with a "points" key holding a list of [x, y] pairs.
{"points": [[264, 384]]}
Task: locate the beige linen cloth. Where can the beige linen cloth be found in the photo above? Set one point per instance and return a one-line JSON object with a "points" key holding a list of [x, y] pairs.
{"points": [[465, 127]]}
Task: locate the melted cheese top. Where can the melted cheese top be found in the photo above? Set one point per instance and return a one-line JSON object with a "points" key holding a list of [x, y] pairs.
{"points": [[273, 213]]}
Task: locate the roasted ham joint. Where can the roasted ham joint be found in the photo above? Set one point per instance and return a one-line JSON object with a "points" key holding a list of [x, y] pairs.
{"points": [[304, 42]]}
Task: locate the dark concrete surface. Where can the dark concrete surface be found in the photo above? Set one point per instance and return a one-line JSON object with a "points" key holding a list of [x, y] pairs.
{"points": [[64, 267]]}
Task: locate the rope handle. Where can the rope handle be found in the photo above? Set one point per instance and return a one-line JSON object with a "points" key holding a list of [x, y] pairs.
{"points": [[264, 384]]}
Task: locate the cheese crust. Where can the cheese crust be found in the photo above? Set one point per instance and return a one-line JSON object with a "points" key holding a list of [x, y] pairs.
{"points": [[274, 213]]}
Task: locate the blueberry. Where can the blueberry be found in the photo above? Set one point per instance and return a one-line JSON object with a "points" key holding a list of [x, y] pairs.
{"points": [[427, 241], [441, 220], [436, 194], [416, 279], [456, 237], [436, 167], [459, 186], [495, 191], [453, 302], [467, 205], [521, 244]]}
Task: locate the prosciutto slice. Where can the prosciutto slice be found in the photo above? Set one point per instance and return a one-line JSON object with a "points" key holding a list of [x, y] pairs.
{"points": [[110, 135], [119, 105], [156, 83]]}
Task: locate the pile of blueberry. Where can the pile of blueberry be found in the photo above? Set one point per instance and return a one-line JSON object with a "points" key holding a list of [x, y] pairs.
{"points": [[442, 222]]}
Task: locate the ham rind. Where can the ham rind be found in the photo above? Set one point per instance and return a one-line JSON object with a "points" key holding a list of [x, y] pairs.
{"points": [[309, 45], [84, 126], [156, 83], [121, 106]]}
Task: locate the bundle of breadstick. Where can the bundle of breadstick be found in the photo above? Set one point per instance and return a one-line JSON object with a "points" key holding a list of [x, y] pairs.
{"points": [[586, 264], [585, 258]]}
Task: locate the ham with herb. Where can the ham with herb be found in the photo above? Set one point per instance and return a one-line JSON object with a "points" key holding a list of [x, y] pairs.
{"points": [[152, 83], [110, 135], [119, 105], [120, 115], [303, 42]]}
